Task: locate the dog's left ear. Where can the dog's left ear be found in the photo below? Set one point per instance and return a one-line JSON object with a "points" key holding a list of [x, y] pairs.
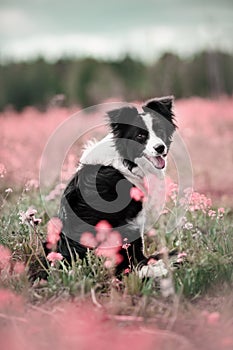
{"points": [[162, 105], [119, 117], [122, 115]]}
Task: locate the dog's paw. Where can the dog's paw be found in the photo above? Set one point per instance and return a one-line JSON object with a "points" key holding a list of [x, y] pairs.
{"points": [[156, 270]]}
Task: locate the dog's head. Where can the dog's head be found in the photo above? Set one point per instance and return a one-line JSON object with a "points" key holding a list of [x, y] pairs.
{"points": [[143, 139]]}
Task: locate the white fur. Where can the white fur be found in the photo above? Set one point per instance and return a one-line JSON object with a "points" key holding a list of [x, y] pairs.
{"points": [[104, 152], [153, 141]]}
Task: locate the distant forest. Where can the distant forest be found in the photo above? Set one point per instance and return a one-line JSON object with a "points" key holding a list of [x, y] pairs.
{"points": [[89, 81]]}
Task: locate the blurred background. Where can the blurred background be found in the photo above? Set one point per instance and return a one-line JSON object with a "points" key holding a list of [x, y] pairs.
{"points": [[58, 57], [84, 52]]}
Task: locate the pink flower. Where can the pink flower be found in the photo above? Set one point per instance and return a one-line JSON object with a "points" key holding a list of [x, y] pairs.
{"points": [[126, 245], [113, 261], [31, 184], [136, 194], [111, 253], [227, 342], [181, 256], [108, 264], [87, 239], [103, 225], [54, 228], [9, 300], [126, 271], [151, 261], [53, 257], [5, 256], [171, 189], [212, 213], [2, 170], [103, 228], [221, 212], [113, 240], [19, 268], [213, 318], [151, 233]]}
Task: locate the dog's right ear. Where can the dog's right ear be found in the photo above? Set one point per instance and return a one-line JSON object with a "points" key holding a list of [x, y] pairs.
{"points": [[121, 116]]}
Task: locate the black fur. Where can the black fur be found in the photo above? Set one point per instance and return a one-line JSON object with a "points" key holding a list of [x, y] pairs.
{"points": [[99, 192]]}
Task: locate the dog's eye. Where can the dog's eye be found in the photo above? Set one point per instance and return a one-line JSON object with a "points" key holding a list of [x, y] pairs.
{"points": [[141, 137]]}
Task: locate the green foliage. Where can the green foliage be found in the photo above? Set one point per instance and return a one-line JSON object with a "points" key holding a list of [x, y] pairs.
{"points": [[89, 81], [205, 238]]}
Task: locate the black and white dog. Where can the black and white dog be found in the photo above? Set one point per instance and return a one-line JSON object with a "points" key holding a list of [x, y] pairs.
{"points": [[138, 144]]}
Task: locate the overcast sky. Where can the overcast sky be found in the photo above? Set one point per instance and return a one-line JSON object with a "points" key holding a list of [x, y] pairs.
{"points": [[112, 28]]}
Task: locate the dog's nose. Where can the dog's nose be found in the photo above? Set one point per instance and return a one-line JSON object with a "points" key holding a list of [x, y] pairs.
{"points": [[160, 148]]}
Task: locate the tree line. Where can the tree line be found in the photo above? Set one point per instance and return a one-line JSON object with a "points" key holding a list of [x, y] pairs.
{"points": [[90, 81]]}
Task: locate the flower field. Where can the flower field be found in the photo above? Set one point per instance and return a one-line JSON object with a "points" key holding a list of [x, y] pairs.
{"points": [[44, 302]]}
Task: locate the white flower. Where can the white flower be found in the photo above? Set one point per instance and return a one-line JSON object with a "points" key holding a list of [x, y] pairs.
{"points": [[166, 286], [9, 190], [188, 226], [29, 217], [155, 271]]}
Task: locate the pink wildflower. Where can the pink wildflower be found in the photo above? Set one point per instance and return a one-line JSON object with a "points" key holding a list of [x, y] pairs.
{"points": [[198, 201], [9, 300], [221, 212], [151, 233], [2, 170], [54, 228], [108, 264], [31, 184], [171, 189], [19, 268], [126, 245], [110, 251], [103, 228], [152, 261], [227, 342], [53, 257], [136, 194], [127, 271], [211, 213], [181, 256], [113, 240], [87, 239], [103, 225], [213, 318]]}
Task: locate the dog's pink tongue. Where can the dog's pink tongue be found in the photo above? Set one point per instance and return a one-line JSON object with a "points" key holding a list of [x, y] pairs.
{"points": [[161, 162]]}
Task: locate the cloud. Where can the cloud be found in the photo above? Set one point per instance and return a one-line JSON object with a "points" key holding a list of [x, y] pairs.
{"points": [[110, 29], [13, 20]]}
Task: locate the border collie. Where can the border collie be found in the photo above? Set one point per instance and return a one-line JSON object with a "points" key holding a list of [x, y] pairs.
{"points": [[137, 145]]}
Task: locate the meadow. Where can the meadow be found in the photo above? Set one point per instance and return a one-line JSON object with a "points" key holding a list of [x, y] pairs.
{"points": [[85, 305]]}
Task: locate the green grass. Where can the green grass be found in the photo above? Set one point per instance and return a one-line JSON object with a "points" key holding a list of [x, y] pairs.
{"points": [[207, 241]]}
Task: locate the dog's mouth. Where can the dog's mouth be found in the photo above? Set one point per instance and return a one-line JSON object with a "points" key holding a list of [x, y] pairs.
{"points": [[157, 161]]}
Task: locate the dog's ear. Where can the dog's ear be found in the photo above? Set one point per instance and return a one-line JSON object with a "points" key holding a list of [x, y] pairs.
{"points": [[124, 115], [162, 105]]}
